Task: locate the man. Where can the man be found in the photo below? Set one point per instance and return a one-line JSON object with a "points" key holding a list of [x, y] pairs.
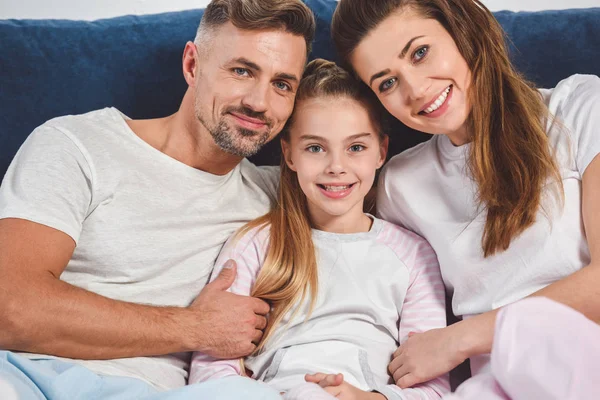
{"points": [[109, 227]]}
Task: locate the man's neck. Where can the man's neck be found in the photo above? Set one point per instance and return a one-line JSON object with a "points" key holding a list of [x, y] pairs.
{"points": [[186, 140]]}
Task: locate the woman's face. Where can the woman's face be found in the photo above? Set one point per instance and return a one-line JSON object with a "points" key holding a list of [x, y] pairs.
{"points": [[416, 70]]}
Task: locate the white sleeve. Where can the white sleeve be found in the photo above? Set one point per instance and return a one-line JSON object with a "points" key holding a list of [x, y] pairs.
{"points": [[48, 182], [580, 113], [389, 198]]}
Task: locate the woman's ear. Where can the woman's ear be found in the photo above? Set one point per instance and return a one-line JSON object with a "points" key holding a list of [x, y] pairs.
{"points": [[383, 149], [287, 154]]}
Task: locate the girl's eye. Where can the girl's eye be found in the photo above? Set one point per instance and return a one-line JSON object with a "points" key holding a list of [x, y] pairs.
{"points": [[314, 149], [240, 71], [355, 148], [420, 53], [283, 86], [386, 85]]}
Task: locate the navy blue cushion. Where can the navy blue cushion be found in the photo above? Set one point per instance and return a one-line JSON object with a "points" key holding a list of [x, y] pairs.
{"points": [[56, 67]]}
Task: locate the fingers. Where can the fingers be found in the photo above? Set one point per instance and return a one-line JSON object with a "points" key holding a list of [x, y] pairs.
{"points": [[257, 336], [400, 373], [398, 351], [408, 380], [331, 380], [325, 380], [314, 378], [226, 277], [261, 322], [260, 307], [394, 365]]}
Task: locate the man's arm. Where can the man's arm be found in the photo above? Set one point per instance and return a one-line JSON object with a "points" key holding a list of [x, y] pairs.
{"points": [[39, 313]]}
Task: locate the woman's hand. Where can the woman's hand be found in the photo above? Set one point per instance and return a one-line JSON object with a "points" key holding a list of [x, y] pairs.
{"points": [[425, 356], [334, 385]]}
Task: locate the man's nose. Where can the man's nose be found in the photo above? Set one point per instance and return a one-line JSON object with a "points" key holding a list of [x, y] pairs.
{"points": [[257, 97]]}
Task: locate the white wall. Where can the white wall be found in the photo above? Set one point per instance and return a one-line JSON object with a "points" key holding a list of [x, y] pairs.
{"points": [[94, 9]]}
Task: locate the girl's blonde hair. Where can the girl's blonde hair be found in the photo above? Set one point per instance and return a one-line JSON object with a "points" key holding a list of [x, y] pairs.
{"points": [[289, 273]]}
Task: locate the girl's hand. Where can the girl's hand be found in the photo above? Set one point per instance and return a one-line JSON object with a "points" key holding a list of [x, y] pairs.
{"points": [[334, 385], [424, 356]]}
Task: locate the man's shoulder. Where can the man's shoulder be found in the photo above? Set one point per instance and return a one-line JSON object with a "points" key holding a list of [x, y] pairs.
{"points": [[265, 177], [96, 118]]}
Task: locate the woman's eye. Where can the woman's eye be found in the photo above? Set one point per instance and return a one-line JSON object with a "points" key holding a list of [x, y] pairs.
{"points": [[420, 53], [356, 148], [386, 85], [240, 71], [314, 149]]}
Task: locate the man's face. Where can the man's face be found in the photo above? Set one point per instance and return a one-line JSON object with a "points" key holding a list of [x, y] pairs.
{"points": [[246, 84]]}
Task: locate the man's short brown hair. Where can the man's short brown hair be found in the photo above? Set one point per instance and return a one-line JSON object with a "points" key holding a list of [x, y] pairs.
{"points": [[291, 16]]}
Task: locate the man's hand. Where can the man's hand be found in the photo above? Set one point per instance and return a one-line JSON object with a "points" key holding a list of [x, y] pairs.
{"points": [[227, 325], [334, 385]]}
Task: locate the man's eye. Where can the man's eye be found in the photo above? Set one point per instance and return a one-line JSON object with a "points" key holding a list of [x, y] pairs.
{"points": [[386, 85], [240, 71], [283, 86]]}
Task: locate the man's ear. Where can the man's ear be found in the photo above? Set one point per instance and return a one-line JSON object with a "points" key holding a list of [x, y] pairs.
{"points": [[189, 63], [383, 149], [286, 151]]}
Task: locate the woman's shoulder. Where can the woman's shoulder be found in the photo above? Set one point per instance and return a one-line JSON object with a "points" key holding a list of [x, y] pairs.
{"points": [[571, 92], [413, 158]]}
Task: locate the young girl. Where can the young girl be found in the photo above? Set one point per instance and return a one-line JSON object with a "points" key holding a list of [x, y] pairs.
{"points": [[507, 189], [345, 288]]}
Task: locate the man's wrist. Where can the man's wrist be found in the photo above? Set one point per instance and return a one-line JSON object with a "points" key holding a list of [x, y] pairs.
{"points": [[189, 330]]}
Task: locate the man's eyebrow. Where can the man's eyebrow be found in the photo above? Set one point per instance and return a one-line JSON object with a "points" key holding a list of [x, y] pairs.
{"points": [[286, 76], [401, 56], [247, 63]]}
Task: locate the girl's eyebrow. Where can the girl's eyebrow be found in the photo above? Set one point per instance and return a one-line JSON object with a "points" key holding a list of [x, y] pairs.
{"points": [[348, 139]]}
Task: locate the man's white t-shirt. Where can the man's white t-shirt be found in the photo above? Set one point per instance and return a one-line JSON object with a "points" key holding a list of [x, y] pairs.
{"points": [[148, 228], [428, 190]]}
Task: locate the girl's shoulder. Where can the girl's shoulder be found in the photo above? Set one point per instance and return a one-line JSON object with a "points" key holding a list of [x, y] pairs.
{"points": [[257, 236], [402, 241]]}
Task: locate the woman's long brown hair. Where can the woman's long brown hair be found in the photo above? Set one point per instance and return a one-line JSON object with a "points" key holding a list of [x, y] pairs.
{"points": [[510, 156]]}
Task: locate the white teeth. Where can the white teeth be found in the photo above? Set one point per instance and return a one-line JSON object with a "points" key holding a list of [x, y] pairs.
{"points": [[335, 188], [438, 102]]}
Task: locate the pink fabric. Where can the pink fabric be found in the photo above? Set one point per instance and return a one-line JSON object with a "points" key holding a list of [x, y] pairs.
{"points": [[423, 306], [542, 350]]}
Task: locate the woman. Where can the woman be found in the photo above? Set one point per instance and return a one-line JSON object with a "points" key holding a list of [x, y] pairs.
{"points": [[505, 191]]}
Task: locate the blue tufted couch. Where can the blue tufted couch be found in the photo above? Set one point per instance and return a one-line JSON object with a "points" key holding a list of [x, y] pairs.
{"points": [[56, 67]]}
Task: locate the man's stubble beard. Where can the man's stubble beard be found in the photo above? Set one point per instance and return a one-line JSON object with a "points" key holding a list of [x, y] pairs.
{"points": [[231, 139]]}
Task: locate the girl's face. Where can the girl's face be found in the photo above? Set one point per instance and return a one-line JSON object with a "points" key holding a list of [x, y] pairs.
{"points": [[335, 150], [418, 74]]}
